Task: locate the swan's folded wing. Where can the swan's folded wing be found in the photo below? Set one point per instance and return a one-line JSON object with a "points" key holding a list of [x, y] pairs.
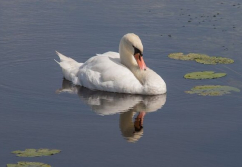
{"points": [[105, 72]]}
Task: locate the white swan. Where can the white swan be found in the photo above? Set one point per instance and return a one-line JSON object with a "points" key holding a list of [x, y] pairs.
{"points": [[123, 72]]}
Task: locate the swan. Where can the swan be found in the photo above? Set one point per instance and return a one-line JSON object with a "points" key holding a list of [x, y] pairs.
{"points": [[123, 72]]}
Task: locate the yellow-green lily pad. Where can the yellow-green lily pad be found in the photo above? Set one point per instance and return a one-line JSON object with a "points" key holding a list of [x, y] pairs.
{"points": [[212, 90], [28, 164], [36, 152], [215, 60], [201, 58], [204, 75], [190, 56]]}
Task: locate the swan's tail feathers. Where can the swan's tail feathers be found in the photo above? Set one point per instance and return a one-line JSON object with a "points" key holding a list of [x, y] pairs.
{"points": [[70, 68], [57, 61], [64, 58], [61, 56]]}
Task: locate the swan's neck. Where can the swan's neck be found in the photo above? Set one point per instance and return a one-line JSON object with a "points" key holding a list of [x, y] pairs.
{"points": [[129, 61]]}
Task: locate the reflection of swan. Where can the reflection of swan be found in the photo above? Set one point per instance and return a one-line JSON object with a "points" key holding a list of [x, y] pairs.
{"points": [[127, 127], [105, 103], [123, 72]]}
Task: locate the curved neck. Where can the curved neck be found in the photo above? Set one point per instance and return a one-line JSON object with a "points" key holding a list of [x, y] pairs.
{"points": [[126, 57], [129, 61]]}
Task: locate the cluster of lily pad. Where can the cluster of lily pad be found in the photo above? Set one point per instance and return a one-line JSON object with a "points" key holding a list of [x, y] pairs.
{"points": [[33, 153], [212, 90], [206, 90], [201, 58], [204, 75], [36, 152], [28, 164]]}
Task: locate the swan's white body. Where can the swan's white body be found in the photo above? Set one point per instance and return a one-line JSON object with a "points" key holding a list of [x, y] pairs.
{"points": [[114, 72]]}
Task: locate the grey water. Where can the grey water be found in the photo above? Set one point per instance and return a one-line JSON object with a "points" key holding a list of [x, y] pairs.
{"points": [[38, 109]]}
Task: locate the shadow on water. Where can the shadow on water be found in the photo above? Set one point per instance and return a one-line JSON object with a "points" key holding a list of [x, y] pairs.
{"points": [[127, 105]]}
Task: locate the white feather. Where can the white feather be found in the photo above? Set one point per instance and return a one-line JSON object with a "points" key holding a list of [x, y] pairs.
{"points": [[69, 67]]}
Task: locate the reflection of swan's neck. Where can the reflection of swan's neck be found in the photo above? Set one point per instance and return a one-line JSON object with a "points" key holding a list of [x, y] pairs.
{"points": [[126, 126], [126, 123]]}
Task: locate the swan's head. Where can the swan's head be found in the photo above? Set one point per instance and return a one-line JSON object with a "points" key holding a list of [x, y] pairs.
{"points": [[131, 51]]}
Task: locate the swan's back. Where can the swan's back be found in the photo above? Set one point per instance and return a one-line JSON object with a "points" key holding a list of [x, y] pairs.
{"points": [[105, 72]]}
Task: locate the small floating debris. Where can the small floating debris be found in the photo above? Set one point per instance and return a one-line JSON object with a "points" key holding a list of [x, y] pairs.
{"points": [[28, 164], [212, 90], [204, 75], [201, 58], [36, 152]]}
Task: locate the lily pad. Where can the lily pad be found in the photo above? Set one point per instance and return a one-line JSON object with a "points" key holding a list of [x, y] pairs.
{"points": [[201, 58], [190, 56], [204, 75], [28, 164], [36, 152], [212, 90], [215, 60]]}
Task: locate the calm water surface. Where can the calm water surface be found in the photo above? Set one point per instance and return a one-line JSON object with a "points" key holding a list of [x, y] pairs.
{"points": [[39, 110]]}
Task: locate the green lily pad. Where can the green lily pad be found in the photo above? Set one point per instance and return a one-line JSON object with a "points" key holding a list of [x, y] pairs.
{"points": [[28, 164], [190, 56], [201, 58], [204, 75], [36, 152], [215, 60], [212, 90]]}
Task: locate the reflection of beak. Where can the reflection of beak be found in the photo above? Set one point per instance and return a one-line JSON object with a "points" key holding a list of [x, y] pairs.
{"points": [[138, 123], [140, 61]]}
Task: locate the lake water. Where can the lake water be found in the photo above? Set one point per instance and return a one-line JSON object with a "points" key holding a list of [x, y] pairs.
{"points": [[183, 129]]}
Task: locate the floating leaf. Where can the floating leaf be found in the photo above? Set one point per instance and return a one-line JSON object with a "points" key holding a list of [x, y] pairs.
{"points": [[204, 75], [190, 56], [212, 90], [28, 164], [36, 152], [201, 58], [215, 60]]}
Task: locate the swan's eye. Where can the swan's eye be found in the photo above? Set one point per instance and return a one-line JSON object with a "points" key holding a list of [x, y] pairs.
{"points": [[136, 50]]}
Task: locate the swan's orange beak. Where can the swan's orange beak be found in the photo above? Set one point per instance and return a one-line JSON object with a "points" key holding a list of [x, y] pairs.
{"points": [[140, 61]]}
